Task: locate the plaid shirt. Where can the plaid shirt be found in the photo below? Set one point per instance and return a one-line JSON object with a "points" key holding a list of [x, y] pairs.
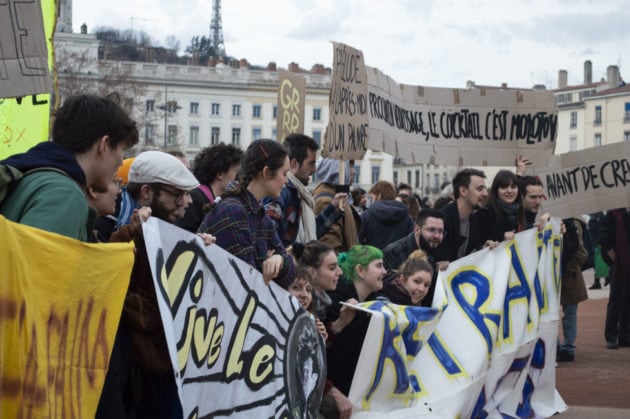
{"points": [[242, 228], [285, 213]]}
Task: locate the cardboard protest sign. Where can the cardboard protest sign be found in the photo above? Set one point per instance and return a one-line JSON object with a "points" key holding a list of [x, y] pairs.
{"points": [[291, 103], [459, 126], [24, 113], [23, 49], [239, 348], [489, 349], [587, 181], [60, 305], [346, 134], [420, 124]]}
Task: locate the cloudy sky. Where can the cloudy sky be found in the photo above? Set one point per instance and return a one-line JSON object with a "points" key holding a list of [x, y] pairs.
{"points": [[439, 43]]}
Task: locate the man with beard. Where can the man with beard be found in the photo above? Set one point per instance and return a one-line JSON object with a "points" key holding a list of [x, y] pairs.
{"points": [[139, 381], [466, 230], [532, 192], [428, 235], [293, 213]]}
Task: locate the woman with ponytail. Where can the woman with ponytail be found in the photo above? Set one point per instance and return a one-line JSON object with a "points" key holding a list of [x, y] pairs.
{"points": [[411, 283], [239, 222]]}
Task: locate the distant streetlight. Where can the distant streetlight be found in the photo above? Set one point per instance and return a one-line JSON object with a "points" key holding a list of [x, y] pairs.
{"points": [[168, 107]]}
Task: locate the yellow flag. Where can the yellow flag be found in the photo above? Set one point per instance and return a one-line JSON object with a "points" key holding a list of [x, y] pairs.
{"points": [[60, 305], [24, 122]]}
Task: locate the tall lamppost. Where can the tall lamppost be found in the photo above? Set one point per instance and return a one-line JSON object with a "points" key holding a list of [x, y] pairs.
{"points": [[168, 107]]}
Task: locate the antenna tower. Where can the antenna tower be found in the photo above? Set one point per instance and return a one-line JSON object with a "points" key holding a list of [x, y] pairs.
{"points": [[216, 30]]}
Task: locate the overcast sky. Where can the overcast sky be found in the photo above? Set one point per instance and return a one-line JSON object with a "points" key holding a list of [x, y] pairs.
{"points": [[441, 43]]}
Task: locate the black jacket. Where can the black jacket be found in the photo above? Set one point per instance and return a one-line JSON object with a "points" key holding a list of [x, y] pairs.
{"points": [[453, 239], [385, 222]]}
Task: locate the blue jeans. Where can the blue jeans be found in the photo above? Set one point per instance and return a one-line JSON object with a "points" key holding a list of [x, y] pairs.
{"points": [[569, 328]]}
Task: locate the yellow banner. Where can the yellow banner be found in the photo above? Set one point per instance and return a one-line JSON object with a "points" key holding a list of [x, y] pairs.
{"points": [[24, 121], [60, 305]]}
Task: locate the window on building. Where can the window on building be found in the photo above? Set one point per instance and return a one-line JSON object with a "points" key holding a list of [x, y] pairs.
{"points": [[626, 136], [193, 137], [236, 136], [395, 177], [275, 111], [598, 115], [317, 136], [427, 186], [408, 177], [376, 174], [194, 108], [357, 173], [573, 120], [273, 134], [149, 134], [626, 114], [215, 132], [417, 183], [598, 140], [256, 111], [317, 114], [236, 110], [573, 143], [150, 105], [256, 133], [215, 109], [436, 182], [171, 137]]}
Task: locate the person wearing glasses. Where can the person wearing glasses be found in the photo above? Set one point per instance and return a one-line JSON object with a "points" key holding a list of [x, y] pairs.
{"points": [[428, 235], [140, 375]]}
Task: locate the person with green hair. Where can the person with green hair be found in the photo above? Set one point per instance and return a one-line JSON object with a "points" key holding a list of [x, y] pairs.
{"points": [[363, 272]]}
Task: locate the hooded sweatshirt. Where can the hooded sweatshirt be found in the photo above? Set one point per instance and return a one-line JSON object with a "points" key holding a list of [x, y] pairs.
{"points": [[384, 222], [52, 200]]}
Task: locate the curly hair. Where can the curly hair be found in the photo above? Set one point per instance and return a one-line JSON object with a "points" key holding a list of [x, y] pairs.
{"points": [[359, 254], [214, 160]]}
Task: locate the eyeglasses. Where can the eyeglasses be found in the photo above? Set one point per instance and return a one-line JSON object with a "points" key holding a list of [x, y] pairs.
{"points": [[433, 230], [178, 195]]}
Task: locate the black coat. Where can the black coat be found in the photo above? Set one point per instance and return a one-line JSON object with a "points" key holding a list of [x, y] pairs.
{"points": [[384, 222], [453, 239]]}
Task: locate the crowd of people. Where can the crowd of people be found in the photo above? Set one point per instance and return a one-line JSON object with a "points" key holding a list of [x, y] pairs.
{"points": [[321, 242]]}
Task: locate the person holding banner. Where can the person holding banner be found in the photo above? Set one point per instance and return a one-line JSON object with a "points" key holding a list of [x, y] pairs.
{"points": [[411, 282], [321, 260], [140, 377], [239, 221], [363, 272], [89, 137], [464, 227], [504, 214], [343, 233]]}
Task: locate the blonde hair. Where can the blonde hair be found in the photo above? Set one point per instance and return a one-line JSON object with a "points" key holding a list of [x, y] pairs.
{"points": [[416, 261]]}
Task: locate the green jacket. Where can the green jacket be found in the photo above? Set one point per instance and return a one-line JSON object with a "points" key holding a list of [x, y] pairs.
{"points": [[50, 201]]}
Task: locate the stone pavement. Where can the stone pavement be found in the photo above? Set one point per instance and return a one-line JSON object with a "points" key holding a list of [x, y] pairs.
{"points": [[597, 383]]}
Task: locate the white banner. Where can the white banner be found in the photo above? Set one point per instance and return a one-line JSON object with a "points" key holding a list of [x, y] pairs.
{"points": [[240, 348], [492, 351]]}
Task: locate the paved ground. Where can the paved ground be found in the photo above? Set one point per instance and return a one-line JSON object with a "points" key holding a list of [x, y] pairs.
{"points": [[597, 384]]}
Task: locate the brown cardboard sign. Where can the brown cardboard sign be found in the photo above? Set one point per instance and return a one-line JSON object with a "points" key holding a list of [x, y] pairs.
{"points": [[23, 51], [587, 181], [459, 126], [346, 135], [291, 104]]}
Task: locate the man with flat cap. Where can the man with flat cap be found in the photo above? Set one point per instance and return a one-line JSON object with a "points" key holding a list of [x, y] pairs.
{"points": [[140, 380]]}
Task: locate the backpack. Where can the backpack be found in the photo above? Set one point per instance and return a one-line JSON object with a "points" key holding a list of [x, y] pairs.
{"points": [[10, 176]]}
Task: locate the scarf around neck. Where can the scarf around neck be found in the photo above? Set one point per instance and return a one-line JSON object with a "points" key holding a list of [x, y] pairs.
{"points": [[307, 230]]}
